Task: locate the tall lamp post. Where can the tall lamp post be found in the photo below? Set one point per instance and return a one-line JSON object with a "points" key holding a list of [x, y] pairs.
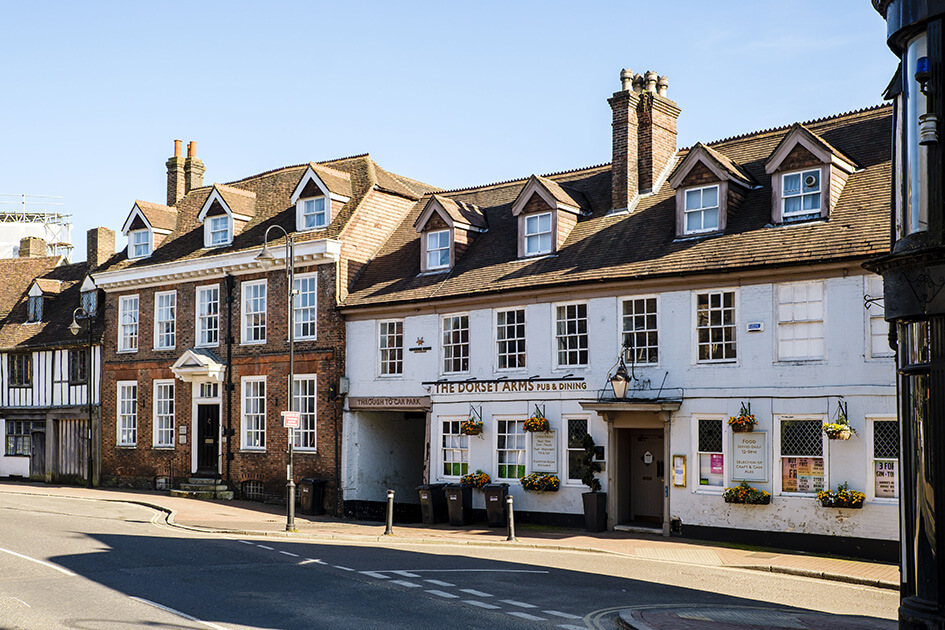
{"points": [[74, 329], [266, 261]]}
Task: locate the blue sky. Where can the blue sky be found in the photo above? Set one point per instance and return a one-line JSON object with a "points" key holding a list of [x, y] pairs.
{"points": [[454, 94]]}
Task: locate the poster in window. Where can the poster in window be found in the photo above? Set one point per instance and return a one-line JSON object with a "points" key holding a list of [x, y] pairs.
{"points": [[886, 481], [715, 464], [802, 474]]}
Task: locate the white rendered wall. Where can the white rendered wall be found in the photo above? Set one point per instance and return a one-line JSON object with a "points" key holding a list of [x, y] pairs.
{"points": [[18, 465]]}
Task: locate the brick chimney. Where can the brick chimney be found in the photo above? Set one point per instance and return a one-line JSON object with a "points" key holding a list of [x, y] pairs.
{"points": [[644, 136], [100, 245], [193, 169], [175, 176], [32, 247]]}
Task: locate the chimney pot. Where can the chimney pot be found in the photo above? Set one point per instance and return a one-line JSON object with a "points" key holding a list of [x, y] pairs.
{"points": [[638, 83], [177, 148], [662, 85], [191, 149], [626, 80], [650, 81], [193, 169]]}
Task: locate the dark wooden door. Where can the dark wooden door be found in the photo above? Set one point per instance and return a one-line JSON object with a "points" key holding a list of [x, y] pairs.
{"points": [[208, 438], [646, 476], [37, 454]]}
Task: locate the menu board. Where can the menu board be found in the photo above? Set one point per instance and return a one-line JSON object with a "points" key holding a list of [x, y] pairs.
{"points": [[750, 456], [802, 474], [886, 482], [544, 451]]}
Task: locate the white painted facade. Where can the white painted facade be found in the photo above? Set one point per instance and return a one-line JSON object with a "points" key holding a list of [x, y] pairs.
{"points": [[855, 367]]}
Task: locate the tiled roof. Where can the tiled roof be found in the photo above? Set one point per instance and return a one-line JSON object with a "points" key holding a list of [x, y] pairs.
{"points": [[48, 286], [461, 212], [159, 216], [559, 193], [610, 247], [238, 200]]}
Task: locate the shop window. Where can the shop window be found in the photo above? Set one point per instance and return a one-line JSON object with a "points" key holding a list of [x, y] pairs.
{"points": [[510, 446], [455, 449], [711, 458], [803, 464]]}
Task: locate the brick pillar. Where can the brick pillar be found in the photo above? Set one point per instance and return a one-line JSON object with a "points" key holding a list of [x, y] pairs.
{"points": [[100, 245], [175, 176], [193, 169], [32, 247]]}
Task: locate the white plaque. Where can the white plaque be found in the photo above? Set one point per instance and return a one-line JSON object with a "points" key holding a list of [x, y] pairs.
{"points": [[544, 451], [750, 456]]}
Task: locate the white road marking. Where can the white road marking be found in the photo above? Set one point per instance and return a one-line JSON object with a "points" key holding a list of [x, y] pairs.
{"points": [[246, 542], [439, 583], [569, 626], [476, 571], [472, 591], [338, 566], [405, 583], [473, 602], [375, 574], [406, 574], [308, 560], [178, 613], [561, 614], [512, 602], [264, 547], [42, 562], [443, 594], [289, 553], [527, 616]]}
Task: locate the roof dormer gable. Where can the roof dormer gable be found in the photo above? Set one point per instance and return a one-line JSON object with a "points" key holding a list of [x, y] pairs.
{"points": [[146, 226], [547, 213], [554, 196], [447, 228], [319, 196], [224, 213], [39, 290], [456, 214], [721, 166]]}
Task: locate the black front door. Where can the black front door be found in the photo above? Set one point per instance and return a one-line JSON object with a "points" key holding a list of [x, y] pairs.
{"points": [[208, 438]]}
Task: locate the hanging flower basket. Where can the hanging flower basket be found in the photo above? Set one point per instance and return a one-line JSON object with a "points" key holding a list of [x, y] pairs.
{"points": [[471, 427], [839, 429], [538, 422], [744, 421], [843, 497], [747, 495], [540, 482], [476, 479]]}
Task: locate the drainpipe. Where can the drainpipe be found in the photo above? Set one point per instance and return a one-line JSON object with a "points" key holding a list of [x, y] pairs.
{"points": [[229, 283]]}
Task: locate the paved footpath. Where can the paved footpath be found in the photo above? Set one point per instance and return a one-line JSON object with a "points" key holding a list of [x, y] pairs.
{"points": [[250, 518]]}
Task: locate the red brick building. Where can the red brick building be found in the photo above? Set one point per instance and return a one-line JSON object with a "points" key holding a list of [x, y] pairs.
{"points": [[196, 354]]}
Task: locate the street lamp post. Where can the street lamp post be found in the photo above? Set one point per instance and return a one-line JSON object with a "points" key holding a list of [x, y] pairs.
{"points": [[266, 261], [74, 329]]}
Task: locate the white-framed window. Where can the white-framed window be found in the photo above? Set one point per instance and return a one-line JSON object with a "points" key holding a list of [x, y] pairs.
{"points": [[34, 309], [208, 315], [701, 211], [884, 469], [253, 412], [877, 331], [510, 339], [164, 414], [313, 213], [454, 448], [140, 245], [510, 449], [800, 320], [305, 401], [254, 311], [710, 463], [305, 306], [165, 320], [640, 334], [800, 193], [577, 429], [390, 341], [715, 326], [127, 408], [455, 343], [538, 234], [128, 323], [571, 335], [438, 249], [802, 454], [218, 230]]}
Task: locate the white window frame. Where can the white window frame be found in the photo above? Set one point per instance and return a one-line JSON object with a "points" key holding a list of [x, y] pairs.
{"points": [[161, 414], [212, 227], [701, 210], [303, 206], [875, 318], [870, 490], [564, 475], [695, 467], [793, 323], [696, 328], [778, 457], [201, 320], [128, 332], [308, 413], [299, 309], [385, 362], [460, 438], [126, 419], [245, 381], [533, 232], [439, 249], [135, 243], [495, 447], [555, 337], [820, 193], [253, 309], [622, 333], [498, 342], [444, 346], [169, 331]]}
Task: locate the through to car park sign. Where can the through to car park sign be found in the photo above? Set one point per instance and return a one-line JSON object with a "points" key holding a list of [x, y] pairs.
{"points": [[290, 419]]}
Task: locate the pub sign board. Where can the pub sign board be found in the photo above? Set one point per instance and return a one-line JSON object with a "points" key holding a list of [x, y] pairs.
{"points": [[750, 456]]}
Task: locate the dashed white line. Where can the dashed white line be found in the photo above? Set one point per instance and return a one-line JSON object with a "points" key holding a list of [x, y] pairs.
{"points": [[375, 574], [265, 547], [405, 583], [246, 542], [289, 553], [178, 613], [439, 583], [338, 566], [512, 602], [443, 594], [407, 574], [558, 613], [477, 603], [472, 591], [522, 615], [42, 562]]}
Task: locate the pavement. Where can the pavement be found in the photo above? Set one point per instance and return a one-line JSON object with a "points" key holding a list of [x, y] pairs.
{"points": [[257, 519]]}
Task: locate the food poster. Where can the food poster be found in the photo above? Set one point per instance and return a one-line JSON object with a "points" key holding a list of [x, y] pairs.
{"points": [[802, 474]]}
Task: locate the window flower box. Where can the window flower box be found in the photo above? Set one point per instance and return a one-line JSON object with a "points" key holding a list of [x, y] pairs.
{"points": [[476, 479], [540, 482], [747, 495], [842, 497]]}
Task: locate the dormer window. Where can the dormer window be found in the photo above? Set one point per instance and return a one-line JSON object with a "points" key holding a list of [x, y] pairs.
{"points": [[139, 243], [34, 312], [800, 194], [319, 195], [313, 213], [702, 210], [218, 231], [438, 249], [538, 234]]}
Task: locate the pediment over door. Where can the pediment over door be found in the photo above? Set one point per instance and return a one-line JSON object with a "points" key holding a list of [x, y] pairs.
{"points": [[199, 365]]}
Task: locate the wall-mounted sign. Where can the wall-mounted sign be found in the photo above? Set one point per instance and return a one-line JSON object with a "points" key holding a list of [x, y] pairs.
{"points": [[393, 403], [885, 479], [750, 456], [544, 451], [421, 347], [291, 419], [679, 471], [502, 386]]}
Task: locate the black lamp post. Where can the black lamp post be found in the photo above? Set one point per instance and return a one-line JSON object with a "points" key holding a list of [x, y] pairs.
{"points": [[266, 261], [74, 329]]}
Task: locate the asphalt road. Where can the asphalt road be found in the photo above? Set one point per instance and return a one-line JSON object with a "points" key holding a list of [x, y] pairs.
{"points": [[70, 563]]}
